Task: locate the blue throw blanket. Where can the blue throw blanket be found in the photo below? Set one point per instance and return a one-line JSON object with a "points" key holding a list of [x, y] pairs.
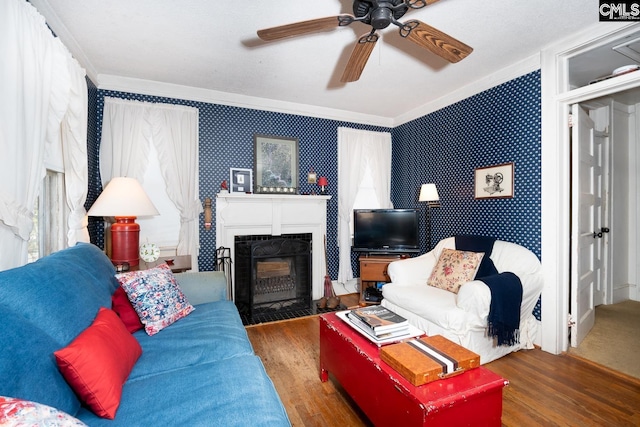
{"points": [[504, 311], [506, 291]]}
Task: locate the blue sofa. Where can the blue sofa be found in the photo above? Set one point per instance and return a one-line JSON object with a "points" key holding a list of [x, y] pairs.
{"points": [[199, 371]]}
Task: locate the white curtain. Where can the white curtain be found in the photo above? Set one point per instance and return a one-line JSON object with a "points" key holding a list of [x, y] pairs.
{"points": [[37, 87], [124, 147], [356, 150], [175, 135], [129, 128], [74, 150]]}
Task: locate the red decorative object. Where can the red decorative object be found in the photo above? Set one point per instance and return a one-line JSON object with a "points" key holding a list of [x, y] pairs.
{"points": [[323, 183], [474, 397], [125, 236]]}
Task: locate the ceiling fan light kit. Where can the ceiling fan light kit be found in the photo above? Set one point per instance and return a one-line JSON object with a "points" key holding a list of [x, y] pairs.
{"points": [[379, 14]]}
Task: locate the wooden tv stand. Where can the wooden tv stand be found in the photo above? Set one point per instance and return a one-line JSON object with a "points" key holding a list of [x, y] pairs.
{"points": [[373, 269]]}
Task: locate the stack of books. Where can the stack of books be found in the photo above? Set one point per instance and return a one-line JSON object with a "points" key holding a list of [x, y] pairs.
{"points": [[380, 322]]}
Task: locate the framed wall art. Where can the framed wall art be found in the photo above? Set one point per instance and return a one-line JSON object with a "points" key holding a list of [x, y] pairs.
{"points": [[241, 181], [276, 164], [494, 181]]}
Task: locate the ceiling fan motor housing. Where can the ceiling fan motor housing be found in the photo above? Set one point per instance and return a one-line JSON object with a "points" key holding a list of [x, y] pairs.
{"points": [[380, 13]]}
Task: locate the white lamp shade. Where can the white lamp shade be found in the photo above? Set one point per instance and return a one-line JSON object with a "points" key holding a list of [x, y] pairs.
{"points": [[428, 193], [123, 197]]}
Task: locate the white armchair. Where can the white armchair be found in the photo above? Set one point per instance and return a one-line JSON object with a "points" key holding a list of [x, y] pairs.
{"points": [[462, 317]]}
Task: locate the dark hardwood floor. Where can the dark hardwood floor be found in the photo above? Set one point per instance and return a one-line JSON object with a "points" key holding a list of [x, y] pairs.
{"points": [[544, 389]]}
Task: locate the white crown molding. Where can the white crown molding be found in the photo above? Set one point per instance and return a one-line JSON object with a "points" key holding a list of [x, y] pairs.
{"points": [[147, 87], [154, 88], [511, 72], [44, 8]]}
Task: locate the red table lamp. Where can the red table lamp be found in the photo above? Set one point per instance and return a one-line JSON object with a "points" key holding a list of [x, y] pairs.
{"points": [[322, 182], [125, 199]]}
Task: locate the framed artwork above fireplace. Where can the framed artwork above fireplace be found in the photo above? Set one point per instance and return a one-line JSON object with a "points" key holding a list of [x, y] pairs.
{"points": [[276, 164]]}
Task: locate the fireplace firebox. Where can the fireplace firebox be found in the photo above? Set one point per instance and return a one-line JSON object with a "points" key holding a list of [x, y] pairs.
{"points": [[273, 274]]}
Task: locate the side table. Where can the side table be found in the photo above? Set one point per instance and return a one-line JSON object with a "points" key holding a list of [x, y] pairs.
{"points": [[180, 264]]}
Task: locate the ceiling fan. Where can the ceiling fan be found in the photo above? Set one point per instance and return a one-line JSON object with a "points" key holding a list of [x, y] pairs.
{"points": [[379, 14]]}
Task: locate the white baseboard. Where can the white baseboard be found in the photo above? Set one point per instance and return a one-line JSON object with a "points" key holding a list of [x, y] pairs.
{"points": [[622, 293]]}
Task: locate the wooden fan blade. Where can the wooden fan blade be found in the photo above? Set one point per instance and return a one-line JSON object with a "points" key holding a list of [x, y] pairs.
{"points": [[304, 27], [435, 40], [359, 57], [418, 4]]}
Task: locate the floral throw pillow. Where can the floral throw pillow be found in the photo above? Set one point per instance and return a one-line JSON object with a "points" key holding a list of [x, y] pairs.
{"points": [[156, 296], [18, 412], [455, 268]]}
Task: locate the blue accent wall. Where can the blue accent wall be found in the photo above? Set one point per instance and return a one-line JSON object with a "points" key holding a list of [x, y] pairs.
{"points": [[499, 125], [226, 141]]}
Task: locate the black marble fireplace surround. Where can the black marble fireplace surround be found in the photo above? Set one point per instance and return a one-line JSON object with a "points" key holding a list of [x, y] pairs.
{"points": [[273, 276]]}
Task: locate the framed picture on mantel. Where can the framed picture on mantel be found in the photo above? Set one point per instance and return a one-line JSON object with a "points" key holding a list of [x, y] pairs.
{"points": [[241, 181], [276, 164]]}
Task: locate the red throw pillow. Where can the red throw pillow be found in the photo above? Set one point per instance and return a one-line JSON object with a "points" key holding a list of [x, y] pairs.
{"points": [[98, 361], [122, 306]]}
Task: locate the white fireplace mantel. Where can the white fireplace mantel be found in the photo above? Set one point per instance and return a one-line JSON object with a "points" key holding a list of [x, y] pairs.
{"points": [[275, 215]]}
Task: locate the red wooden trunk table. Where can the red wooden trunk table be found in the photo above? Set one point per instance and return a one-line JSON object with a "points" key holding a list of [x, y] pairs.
{"points": [[471, 399]]}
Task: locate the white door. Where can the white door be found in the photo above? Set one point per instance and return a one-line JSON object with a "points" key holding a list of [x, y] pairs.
{"points": [[587, 248]]}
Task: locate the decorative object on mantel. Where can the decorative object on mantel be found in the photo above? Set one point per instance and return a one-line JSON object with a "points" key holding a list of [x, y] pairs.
{"points": [[311, 176], [494, 182], [207, 213], [276, 164], [323, 183], [429, 194], [125, 199], [223, 187], [241, 180]]}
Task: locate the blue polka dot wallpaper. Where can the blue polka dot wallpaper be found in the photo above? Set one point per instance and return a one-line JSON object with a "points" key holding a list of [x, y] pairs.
{"points": [[226, 141], [499, 125]]}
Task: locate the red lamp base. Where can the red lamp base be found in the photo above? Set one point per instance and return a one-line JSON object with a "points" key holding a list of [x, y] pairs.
{"points": [[125, 239]]}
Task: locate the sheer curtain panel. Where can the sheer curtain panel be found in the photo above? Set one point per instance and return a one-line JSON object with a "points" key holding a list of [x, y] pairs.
{"points": [[128, 130], [356, 149]]}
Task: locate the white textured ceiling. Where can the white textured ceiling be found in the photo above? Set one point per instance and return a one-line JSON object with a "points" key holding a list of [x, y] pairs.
{"points": [[210, 46]]}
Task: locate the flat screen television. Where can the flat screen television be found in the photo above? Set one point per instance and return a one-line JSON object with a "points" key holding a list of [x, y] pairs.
{"points": [[385, 230]]}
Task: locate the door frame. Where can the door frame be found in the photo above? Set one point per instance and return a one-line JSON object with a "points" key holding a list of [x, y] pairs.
{"points": [[557, 99]]}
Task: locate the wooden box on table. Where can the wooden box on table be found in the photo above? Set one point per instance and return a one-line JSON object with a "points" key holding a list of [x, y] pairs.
{"points": [[428, 359]]}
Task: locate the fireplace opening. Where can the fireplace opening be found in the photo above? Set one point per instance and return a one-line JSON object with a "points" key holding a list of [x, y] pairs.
{"points": [[273, 274]]}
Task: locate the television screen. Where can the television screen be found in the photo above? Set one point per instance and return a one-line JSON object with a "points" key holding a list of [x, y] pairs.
{"points": [[385, 230]]}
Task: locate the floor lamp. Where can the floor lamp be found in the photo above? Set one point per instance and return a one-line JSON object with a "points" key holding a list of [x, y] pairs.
{"points": [[125, 199], [429, 194]]}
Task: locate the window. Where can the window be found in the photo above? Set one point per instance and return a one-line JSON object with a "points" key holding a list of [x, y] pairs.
{"points": [[49, 217], [366, 197]]}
